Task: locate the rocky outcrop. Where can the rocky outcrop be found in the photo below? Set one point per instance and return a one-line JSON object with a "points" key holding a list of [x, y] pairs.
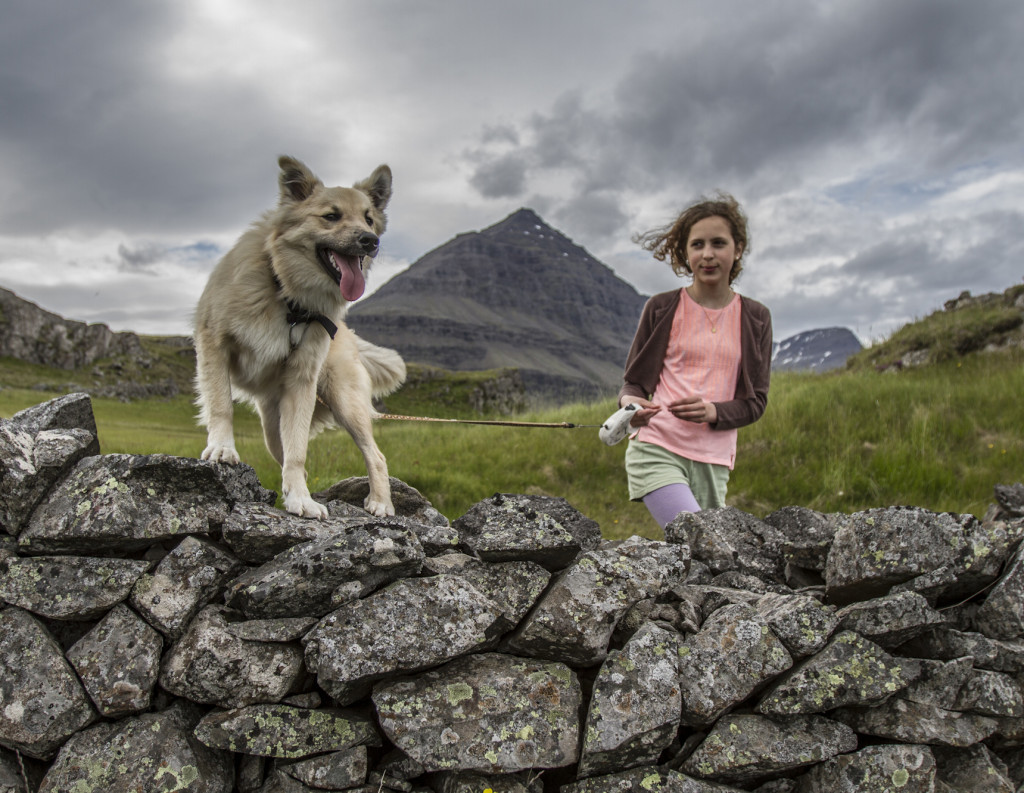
{"points": [[32, 334], [164, 627]]}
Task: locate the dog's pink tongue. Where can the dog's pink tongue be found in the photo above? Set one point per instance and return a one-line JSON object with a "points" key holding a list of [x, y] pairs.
{"points": [[352, 282]]}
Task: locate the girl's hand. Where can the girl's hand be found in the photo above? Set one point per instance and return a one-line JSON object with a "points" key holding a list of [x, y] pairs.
{"points": [[643, 416], [694, 409]]}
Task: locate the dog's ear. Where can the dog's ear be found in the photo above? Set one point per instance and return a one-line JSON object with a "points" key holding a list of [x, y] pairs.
{"points": [[296, 180], [377, 186]]}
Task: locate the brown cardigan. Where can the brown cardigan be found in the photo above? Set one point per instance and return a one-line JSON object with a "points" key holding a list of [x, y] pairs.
{"points": [[647, 356]]}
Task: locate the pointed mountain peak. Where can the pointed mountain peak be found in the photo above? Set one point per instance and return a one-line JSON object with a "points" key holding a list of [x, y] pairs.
{"points": [[523, 221]]}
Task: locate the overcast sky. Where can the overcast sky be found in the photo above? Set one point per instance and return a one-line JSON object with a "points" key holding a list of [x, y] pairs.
{"points": [[877, 145]]}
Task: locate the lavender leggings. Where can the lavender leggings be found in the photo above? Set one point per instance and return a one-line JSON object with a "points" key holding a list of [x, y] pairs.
{"points": [[667, 502]]}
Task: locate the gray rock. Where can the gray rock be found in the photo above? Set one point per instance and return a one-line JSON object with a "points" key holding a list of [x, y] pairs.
{"points": [[279, 782], [396, 767], [67, 412], [1009, 497], [801, 622], [974, 769], [475, 782], [435, 538], [947, 555], [407, 500], [333, 771], [123, 502], [31, 463], [154, 751], [211, 665], [874, 769], [11, 780], [1001, 616], [575, 619], [990, 694], [939, 682], [891, 620], [636, 704], [286, 629], [807, 535], [682, 616], [513, 586], [315, 578], [945, 644], [429, 621], [748, 748], [541, 529], [709, 599], [42, 704], [646, 779], [912, 722], [733, 655], [728, 539], [850, 670], [285, 732], [118, 662], [259, 532], [184, 581], [67, 587], [486, 712]]}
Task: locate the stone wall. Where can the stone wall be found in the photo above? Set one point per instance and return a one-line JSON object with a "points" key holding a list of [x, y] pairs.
{"points": [[163, 628]]}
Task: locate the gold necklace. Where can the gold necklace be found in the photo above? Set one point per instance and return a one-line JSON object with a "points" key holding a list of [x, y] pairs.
{"points": [[707, 316]]}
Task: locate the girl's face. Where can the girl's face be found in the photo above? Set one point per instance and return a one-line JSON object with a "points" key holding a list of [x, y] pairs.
{"points": [[711, 251]]}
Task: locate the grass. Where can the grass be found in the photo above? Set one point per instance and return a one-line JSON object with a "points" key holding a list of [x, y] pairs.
{"points": [[940, 436]]}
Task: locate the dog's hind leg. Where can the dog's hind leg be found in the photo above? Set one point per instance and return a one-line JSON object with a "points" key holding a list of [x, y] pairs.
{"points": [[213, 384], [345, 387], [269, 409]]}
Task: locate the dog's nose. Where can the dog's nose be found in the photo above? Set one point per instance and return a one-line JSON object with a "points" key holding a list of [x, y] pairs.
{"points": [[368, 243]]}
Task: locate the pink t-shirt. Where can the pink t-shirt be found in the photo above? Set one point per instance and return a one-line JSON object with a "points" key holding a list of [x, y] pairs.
{"points": [[698, 362]]}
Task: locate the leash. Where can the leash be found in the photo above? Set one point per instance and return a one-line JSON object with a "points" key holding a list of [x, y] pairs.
{"points": [[560, 425]]}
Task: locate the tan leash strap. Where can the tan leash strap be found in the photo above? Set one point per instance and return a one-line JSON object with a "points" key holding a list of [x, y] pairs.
{"points": [[563, 425]]}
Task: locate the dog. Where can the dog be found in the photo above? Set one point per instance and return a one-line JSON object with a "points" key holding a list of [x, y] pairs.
{"points": [[269, 329]]}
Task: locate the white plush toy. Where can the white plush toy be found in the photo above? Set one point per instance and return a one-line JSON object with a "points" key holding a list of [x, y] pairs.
{"points": [[617, 426]]}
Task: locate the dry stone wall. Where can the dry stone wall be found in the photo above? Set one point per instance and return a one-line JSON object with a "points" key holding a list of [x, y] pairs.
{"points": [[164, 628]]}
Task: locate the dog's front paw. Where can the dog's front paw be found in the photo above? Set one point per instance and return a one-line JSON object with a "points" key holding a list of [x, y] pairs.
{"points": [[379, 507], [221, 453], [304, 507]]}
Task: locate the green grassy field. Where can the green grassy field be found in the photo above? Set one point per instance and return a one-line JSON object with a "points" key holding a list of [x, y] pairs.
{"points": [[941, 436]]}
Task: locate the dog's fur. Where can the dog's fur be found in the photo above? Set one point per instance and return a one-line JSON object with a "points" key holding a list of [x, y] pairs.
{"points": [[312, 250]]}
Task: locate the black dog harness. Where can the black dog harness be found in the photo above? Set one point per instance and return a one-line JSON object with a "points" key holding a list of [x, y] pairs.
{"points": [[297, 315]]}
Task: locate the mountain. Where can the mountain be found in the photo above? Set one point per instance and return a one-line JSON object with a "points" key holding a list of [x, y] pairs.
{"points": [[517, 294], [815, 350]]}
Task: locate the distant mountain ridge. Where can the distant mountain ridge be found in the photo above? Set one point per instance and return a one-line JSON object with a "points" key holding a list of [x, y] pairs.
{"points": [[517, 294], [815, 350]]}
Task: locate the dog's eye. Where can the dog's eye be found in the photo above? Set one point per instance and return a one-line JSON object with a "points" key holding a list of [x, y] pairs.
{"points": [[369, 220], [332, 216]]}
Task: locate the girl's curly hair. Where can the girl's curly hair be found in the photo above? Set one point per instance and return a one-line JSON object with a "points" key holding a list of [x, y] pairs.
{"points": [[669, 242]]}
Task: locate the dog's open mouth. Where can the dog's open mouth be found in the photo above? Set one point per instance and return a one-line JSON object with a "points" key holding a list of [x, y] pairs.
{"points": [[346, 270]]}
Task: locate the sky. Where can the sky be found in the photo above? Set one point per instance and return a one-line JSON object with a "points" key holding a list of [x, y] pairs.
{"points": [[877, 147]]}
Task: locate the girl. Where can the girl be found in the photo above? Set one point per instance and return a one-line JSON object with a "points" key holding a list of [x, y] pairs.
{"points": [[699, 366]]}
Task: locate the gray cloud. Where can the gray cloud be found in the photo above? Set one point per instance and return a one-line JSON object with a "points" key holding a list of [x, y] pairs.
{"points": [[795, 92], [859, 135]]}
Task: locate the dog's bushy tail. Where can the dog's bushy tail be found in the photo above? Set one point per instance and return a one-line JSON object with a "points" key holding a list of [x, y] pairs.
{"points": [[386, 367]]}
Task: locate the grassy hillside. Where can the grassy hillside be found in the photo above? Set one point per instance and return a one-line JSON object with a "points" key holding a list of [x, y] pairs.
{"points": [[939, 436]]}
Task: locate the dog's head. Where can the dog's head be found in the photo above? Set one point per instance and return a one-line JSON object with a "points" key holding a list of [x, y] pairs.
{"points": [[337, 227]]}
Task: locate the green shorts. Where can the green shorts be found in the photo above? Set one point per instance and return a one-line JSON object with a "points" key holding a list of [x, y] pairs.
{"points": [[649, 467]]}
